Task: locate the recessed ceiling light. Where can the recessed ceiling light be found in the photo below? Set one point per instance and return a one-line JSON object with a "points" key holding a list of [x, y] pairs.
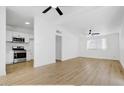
{"points": [[27, 23]]}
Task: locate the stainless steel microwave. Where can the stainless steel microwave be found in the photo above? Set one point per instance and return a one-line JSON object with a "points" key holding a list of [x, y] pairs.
{"points": [[18, 40]]}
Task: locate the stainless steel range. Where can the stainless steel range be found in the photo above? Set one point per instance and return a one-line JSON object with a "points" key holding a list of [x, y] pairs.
{"points": [[19, 54]]}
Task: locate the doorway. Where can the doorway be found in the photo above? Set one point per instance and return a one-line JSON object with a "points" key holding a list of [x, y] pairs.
{"points": [[19, 40], [58, 48]]}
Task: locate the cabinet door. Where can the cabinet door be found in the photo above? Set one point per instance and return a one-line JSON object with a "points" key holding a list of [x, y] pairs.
{"points": [[10, 57], [21, 35], [29, 56], [9, 35], [16, 34], [26, 38]]}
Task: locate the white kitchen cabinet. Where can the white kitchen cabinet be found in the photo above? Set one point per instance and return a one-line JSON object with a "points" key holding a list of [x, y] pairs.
{"points": [[30, 50], [29, 55], [9, 35], [9, 58], [26, 38], [22, 35], [16, 34]]}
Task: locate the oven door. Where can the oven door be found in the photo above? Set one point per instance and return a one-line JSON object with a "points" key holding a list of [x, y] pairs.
{"points": [[19, 56]]}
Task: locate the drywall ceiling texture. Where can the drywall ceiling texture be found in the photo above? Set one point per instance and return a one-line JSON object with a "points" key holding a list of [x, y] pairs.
{"points": [[97, 19], [17, 16], [77, 18], [2, 40]]}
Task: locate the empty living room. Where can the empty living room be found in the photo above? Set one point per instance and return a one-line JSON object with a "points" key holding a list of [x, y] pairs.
{"points": [[62, 45]]}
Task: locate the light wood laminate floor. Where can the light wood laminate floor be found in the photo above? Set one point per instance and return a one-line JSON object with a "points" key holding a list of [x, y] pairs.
{"points": [[77, 71], [15, 68]]}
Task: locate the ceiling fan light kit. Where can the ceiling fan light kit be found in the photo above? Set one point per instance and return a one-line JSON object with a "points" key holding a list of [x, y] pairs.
{"points": [[92, 34]]}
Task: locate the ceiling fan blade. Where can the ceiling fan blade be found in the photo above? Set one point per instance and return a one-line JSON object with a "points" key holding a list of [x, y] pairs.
{"points": [[59, 11], [47, 9]]}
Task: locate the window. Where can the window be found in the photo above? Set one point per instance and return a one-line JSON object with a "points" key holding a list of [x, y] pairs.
{"points": [[96, 43]]}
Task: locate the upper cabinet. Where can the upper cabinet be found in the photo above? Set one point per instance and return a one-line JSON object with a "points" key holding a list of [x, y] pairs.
{"points": [[11, 34], [15, 34]]}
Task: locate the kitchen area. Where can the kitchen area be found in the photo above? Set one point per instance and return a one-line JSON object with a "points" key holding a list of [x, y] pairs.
{"points": [[19, 41], [19, 48]]}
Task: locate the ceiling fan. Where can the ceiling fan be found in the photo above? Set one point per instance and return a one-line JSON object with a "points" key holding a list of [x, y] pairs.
{"points": [[92, 34], [57, 9]]}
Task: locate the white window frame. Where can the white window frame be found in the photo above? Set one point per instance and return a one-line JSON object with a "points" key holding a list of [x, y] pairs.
{"points": [[97, 44]]}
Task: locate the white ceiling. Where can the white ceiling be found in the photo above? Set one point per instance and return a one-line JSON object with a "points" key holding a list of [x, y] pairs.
{"points": [[78, 19], [101, 19], [18, 15]]}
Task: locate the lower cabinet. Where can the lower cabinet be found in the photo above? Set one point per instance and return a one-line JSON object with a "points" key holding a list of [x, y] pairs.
{"points": [[26, 36], [29, 55], [9, 57]]}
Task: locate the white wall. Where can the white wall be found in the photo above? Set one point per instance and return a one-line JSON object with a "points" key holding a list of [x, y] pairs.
{"points": [[2, 40], [70, 45], [58, 47], [121, 34], [112, 51], [44, 42]]}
